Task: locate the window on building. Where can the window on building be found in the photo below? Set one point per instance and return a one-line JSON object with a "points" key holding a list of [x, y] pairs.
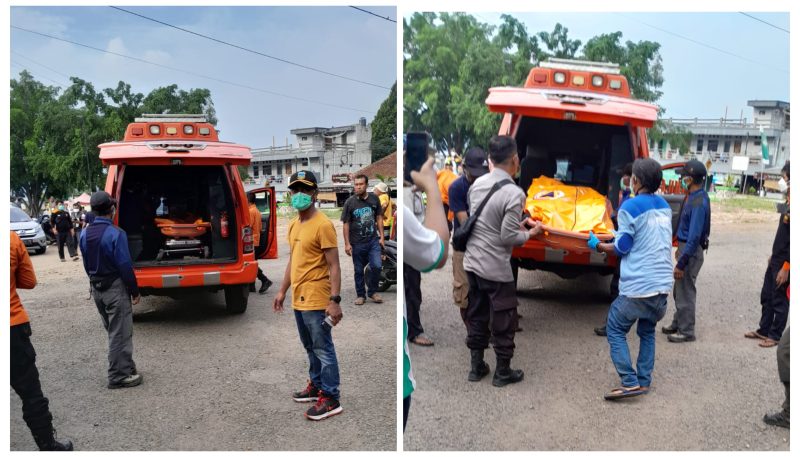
{"points": [[761, 112], [712, 145], [726, 147], [255, 171], [662, 144], [699, 145], [757, 142], [278, 169], [737, 147], [328, 143], [305, 138], [304, 161]]}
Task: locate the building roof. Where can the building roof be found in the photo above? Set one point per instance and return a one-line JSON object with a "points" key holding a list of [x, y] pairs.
{"points": [[767, 104], [310, 130], [387, 166]]}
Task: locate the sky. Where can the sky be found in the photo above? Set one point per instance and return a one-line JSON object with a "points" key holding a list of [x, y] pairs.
{"points": [[698, 81], [338, 40]]}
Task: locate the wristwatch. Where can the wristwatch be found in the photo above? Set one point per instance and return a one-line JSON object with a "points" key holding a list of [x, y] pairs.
{"points": [[336, 299]]}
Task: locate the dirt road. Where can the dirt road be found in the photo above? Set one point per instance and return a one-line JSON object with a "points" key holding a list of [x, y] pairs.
{"points": [[212, 381], [707, 395]]}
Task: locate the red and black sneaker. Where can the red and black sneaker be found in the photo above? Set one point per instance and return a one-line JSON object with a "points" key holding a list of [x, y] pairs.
{"points": [[310, 393], [325, 407]]}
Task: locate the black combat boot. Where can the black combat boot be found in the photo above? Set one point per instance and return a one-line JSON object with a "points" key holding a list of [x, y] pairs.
{"points": [[504, 374], [46, 440], [479, 367]]}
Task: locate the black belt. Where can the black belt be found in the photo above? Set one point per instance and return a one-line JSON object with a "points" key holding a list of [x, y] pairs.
{"points": [[102, 283]]}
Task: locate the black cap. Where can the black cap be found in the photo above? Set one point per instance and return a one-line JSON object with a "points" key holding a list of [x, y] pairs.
{"points": [[303, 177], [101, 201], [476, 161], [693, 168]]}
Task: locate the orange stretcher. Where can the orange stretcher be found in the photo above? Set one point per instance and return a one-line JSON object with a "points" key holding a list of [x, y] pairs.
{"points": [[185, 228]]}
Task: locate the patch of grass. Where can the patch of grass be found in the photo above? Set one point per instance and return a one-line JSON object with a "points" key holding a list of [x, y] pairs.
{"points": [[332, 213], [747, 203]]}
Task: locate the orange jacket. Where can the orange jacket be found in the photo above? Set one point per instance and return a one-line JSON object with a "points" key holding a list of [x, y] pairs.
{"points": [[22, 276], [255, 221]]}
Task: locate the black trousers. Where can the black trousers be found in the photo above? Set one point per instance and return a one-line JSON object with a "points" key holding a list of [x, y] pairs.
{"points": [[261, 275], [492, 315], [774, 305], [65, 238], [25, 381], [413, 296], [406, 409]]}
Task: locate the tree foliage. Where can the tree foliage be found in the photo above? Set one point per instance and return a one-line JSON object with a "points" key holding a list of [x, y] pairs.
{"points": [[55, 135], [384, 127], [450, 61]]}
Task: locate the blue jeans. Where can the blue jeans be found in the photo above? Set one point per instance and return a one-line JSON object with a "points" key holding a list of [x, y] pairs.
{"points": [[323, 368], [623, 314], [363, 254]]}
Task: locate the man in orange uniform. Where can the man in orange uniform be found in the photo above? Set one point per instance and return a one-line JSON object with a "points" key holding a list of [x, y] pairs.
{"points": [[24, 375], [255, 218], [445, 178]]}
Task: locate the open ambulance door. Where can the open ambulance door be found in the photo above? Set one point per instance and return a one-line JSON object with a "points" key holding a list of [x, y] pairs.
{"points": [[672, 192], [266, 203]]}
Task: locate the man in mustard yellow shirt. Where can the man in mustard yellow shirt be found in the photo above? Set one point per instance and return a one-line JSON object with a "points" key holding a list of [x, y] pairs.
{"points": [[315, 278]]}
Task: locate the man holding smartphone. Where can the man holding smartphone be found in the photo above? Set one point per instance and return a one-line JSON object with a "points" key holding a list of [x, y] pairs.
{"points": [[315, 277]]}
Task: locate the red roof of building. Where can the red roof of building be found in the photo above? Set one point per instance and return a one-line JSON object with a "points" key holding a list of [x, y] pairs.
{"points": [[386, 167]]}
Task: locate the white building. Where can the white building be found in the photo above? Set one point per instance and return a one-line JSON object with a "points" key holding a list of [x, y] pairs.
{"points": [[331, 153], [719, 140]]}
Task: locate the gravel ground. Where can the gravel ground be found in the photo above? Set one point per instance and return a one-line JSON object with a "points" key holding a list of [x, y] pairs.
{"points": [[706, 395], [212, 381]]}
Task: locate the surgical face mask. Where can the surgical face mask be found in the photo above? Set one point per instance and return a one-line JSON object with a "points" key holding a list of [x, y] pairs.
{"points": [[633, 185], [61, 207], [685, 184], [783, 185], [301, 201], [622, 184]]}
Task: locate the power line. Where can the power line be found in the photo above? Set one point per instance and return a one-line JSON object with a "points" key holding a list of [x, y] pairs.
{"points": [[249, 50], [39, 64], [43, 77], [706, 45], [387, 18], [180, 70], [765, 22]]}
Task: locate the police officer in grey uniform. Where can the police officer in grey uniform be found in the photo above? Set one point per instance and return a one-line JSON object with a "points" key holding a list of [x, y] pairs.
{"points": [[108, 263]]}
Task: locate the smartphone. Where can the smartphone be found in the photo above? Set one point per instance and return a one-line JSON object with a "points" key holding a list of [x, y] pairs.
{"points": [[416, 152]]}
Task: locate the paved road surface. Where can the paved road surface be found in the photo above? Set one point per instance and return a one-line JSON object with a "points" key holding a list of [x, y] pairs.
{"points": [[707, 395], [213, 381]]}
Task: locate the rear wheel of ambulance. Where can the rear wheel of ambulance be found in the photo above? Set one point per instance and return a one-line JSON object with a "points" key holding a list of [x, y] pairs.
{"points": [[236, 298]]}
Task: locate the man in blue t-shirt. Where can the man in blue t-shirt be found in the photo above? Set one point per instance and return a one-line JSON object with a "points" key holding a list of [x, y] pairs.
{"points": [[694, 227], [475, 165], [644, 246]]}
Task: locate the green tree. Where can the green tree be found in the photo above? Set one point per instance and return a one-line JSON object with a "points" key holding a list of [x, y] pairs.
{"points": [[451, 60], [639, 62], [384, 127], [558, 43], [55, 137], [171, 100]]}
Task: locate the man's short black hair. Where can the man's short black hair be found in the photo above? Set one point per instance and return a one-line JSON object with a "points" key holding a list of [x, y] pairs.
{"points": [[364, 177], [627, 170], [251, 197], [501, 148], [648, 173], [785, 169]]}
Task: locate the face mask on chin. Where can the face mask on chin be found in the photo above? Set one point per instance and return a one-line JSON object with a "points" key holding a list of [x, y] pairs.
{"points": [[684, 184]]}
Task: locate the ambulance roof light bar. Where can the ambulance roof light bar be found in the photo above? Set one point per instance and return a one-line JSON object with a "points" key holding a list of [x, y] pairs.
{"points": [[581, 65], [172, 118]]}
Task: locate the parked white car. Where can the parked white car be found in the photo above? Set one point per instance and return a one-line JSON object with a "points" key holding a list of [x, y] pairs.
{"points": [[28, 230]]}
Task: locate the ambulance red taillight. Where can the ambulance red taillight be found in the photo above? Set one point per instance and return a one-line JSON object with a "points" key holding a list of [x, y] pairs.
{"points": [[247, 239]]}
